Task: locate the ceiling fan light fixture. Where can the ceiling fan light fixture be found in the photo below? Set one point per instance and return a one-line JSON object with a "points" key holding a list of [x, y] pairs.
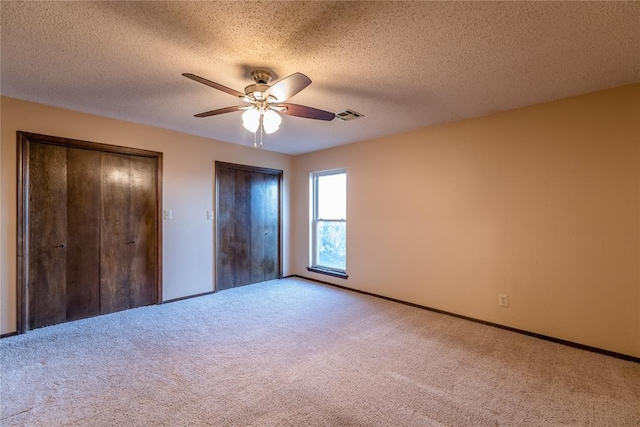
{"points": [[266, 102], [271, 121], [251, 120]]}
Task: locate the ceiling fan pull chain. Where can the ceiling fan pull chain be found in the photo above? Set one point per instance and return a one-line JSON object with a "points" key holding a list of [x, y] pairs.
{"points": [[261, 128]]}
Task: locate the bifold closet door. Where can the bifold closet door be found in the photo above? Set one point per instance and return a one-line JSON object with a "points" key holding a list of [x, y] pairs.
{"points": [[92, 233], [64, 212], [83, 231], [247, 226], [142, 228], [47, 235], [127, 262], [115, 250], [226, 228], [264, 227]]}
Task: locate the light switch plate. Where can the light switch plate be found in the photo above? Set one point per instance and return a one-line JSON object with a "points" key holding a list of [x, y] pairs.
{"points": [[503, 300]]}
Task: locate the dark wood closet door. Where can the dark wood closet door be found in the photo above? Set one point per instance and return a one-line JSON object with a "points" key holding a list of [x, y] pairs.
{"points": [[83, 233], [226, 227], [89, 236], [47, 261], [115, 254], [128, 237], [242, 225], [264, 230], [64, 206], [142, 229], [247, 225]]}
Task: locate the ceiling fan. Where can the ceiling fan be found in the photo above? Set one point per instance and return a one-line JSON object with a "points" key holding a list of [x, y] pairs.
{"points": [[265, 101]]}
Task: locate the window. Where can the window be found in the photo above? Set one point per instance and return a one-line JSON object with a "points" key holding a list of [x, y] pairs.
{"points": [[329, 222]]}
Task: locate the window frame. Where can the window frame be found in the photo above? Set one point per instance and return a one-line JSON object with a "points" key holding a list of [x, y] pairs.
{"points": [[314, 266]]}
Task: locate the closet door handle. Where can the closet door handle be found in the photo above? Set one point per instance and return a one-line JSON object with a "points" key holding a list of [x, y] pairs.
{"points": [[131, 242], [60, 246]]}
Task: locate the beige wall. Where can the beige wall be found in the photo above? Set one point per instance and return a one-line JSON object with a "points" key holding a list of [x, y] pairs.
{"points": [[541, 203], [188, 189]]}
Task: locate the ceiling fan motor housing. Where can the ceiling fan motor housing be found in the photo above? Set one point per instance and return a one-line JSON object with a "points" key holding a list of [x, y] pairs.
{"points": [[261, 76], [257, 90]]}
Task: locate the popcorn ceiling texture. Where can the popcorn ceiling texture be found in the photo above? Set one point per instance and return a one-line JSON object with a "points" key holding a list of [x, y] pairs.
{"points": [[404, 65]]}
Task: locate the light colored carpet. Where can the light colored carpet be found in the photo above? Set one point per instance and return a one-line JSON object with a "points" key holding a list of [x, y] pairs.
{"points": [[296, 353]]}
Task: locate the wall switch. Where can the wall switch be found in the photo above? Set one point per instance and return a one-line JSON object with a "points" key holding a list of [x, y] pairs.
{"points": [[209, 215], [503, 300], [167, 214]]}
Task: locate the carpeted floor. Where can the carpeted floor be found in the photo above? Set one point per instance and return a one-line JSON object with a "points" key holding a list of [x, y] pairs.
{"points": [[296, 353]]}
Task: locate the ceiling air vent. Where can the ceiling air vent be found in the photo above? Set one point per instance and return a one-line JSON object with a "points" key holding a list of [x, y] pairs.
{"points": [[348, 115]]}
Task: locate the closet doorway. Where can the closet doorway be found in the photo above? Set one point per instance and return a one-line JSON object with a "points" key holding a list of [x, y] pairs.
{"points": [[89, 234], [248, 224]]}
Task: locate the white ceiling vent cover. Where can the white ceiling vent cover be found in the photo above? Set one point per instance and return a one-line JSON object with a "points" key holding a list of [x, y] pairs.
{"points": [[348, 115]]}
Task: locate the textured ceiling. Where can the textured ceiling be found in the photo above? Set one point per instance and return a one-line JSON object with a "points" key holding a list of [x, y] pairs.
{"points": [[404, 65]]}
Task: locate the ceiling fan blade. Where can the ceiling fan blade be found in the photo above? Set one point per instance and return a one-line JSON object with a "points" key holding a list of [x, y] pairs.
{"points": [[214, 85], [307, 112], [288, 87], [220, 111]]}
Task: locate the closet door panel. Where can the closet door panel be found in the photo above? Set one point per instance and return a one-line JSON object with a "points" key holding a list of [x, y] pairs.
{"points": [[47, 235], [225, 228], [83, 230], [142, 230], [264, 227], [258, 212], [270, 227], [243, 228], [115, 257]]}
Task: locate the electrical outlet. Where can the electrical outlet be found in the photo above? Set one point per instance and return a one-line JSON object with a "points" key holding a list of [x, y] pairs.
{"points": [[503, 300], [210, 215], [168, 214]]}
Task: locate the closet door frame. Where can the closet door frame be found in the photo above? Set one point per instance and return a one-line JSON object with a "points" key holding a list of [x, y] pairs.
{"points": [[24, 139]]}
